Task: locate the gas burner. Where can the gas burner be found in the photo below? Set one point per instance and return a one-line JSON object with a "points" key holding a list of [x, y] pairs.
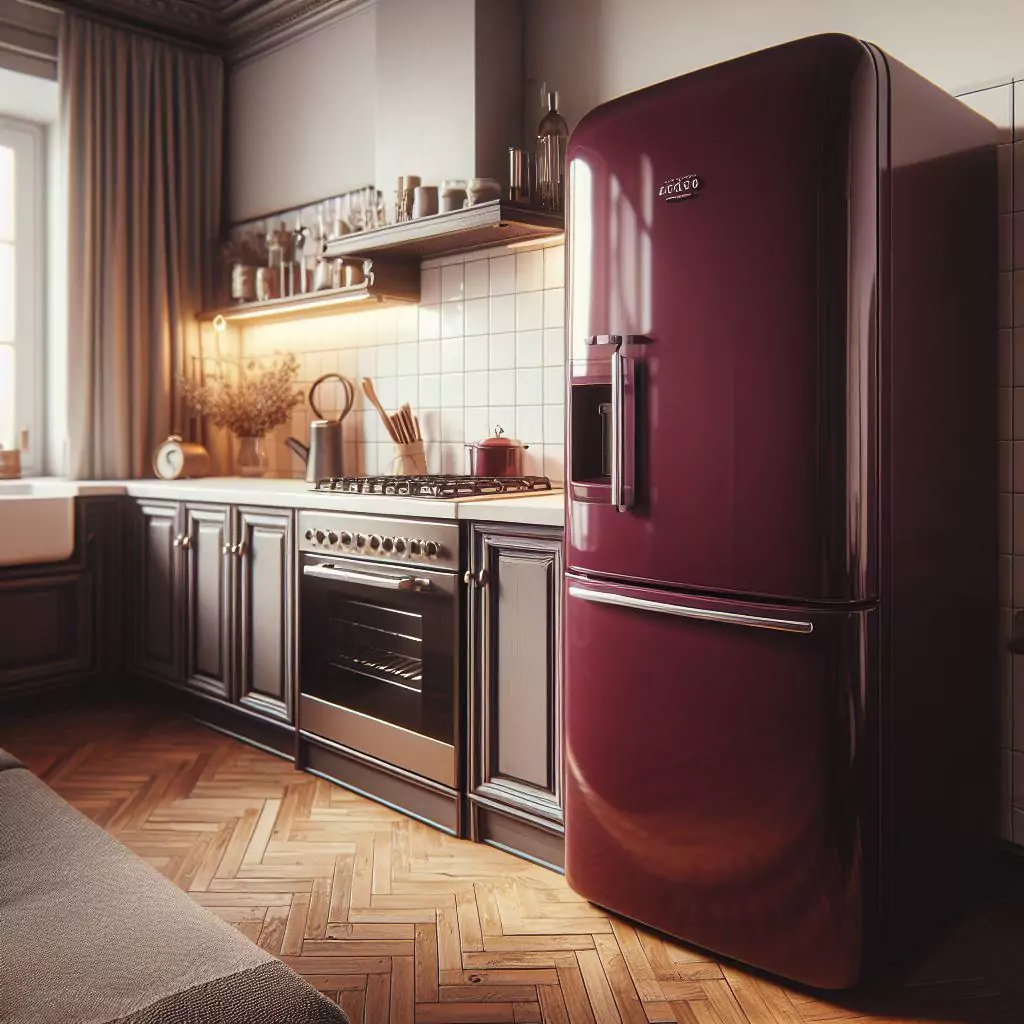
{"points": [[435, 486]]}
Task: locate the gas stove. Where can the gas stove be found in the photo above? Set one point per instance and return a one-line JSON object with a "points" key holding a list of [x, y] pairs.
{"points": [[443, 487]]}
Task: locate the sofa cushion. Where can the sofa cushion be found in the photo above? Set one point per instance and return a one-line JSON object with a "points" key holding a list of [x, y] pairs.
{"points": [[93, 934]]}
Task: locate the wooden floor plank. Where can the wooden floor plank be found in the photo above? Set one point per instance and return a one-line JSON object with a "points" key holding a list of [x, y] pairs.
{"points": [[399, 922]]}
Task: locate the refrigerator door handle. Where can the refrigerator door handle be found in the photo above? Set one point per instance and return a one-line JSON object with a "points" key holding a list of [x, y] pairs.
{"points": [[622, 440], [689, 612]]}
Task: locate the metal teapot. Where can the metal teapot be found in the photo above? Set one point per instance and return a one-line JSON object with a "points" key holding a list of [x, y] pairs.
{"points": [[324, 455]]}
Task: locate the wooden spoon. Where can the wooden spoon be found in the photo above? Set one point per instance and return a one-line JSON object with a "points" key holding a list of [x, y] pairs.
{"points": [[371, 394]]}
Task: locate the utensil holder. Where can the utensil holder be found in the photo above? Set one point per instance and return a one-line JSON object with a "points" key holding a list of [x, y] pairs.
{"points": [[410, 460]]}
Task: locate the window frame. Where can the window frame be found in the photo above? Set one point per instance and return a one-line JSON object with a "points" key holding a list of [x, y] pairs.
{"points": [[28, 140]]}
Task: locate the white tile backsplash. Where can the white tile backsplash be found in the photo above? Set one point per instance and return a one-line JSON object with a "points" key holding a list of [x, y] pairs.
{"points": [[430, 286], [503, 314], [530, 271], [477, 315], [529, 348], [502, 351], [477, 279], [529, 311], [451, 282], [502, 387], [502, 275], [484, 347]]}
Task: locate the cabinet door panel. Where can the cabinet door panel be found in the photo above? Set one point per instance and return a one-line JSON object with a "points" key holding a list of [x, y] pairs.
{"points": [[515, 671], [208, 596], [266, 608], [157, 591], [47, 632]]}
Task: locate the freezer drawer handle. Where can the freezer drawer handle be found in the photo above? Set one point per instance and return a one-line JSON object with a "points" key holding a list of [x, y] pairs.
{"points": [[326, 571], [685, 612]]}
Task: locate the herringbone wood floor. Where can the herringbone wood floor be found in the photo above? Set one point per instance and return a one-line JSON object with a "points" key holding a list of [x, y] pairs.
{"points": [[399, 922]]}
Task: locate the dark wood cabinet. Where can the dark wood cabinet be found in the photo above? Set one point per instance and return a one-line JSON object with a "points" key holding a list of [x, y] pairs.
{"points": [[208, 595], [266, 610], [515, 688], [158, 611], [215, 603], [60, 622]]}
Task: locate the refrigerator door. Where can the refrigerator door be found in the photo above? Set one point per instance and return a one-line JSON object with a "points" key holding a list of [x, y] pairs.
{"points": [[716, 773], [722, 275]]}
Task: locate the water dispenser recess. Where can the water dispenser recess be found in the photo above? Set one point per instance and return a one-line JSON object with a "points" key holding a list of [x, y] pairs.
{"points": [[590, 458]]}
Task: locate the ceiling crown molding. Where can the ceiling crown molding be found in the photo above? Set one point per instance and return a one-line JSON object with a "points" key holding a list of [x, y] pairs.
{"points": [[239, 29]]}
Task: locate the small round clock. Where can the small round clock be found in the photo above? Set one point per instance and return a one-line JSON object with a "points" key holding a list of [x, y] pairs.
{"points": [[175, 459]]}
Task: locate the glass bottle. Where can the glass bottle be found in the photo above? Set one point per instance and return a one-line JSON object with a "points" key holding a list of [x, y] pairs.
{"points": [[552, 141]]}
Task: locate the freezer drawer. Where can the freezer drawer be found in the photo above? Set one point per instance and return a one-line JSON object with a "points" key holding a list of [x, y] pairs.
{"points": [[717, 781]]}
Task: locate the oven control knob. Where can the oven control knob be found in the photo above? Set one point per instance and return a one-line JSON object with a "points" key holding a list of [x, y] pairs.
{"points": [[332, 537], [346, 539], [388, 544], [309, 535], [374, 542], [360, 541], [415, 546], [431, 549], [401, 544], [319, 536]]}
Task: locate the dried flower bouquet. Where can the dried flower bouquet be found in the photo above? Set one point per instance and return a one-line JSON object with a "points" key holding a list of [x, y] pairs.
{"points": [[260, 399]]}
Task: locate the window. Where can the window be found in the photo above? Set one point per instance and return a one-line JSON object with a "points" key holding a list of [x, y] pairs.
{"points": [[22, 279]]}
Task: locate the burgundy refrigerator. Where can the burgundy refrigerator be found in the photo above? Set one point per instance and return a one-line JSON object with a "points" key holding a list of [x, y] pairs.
{"points": [[781, 474]]}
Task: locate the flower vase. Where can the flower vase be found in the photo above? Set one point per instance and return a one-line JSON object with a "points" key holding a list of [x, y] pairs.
{"points": [[252, 457]]}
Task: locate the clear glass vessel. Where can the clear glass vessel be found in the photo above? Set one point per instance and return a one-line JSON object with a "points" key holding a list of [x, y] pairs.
{"points": [[552, 141]]}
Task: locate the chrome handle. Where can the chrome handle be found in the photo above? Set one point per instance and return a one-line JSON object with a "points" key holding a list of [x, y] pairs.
{"points": [[332, 572], [240, 549], [183, 540], [603, 339], [482, 578], [176, 543], [227, 549], [618, 432], [687, 612]]}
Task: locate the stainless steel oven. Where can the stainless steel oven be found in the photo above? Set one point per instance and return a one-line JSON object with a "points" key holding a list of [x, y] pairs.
{"points": [[379, 639]]}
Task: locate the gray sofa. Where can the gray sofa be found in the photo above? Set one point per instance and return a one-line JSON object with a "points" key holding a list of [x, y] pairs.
{"points": [[91, 933]]}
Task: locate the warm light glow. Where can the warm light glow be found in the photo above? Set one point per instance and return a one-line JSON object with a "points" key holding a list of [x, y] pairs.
{"points": [[299, 307], [537, 243]]}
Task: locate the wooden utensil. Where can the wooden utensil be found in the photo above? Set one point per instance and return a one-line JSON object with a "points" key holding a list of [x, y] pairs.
{"points": [[399, 424], [409, 423], [371, 394]]}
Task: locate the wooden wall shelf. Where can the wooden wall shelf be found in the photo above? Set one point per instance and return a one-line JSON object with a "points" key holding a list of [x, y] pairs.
{"points": [[388, 284], [475, 227]]}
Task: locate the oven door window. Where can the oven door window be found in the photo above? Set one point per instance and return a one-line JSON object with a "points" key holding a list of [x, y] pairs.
{"points": [[387, 653]]}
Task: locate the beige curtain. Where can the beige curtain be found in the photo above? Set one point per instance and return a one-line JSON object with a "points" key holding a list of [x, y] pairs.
{"points": [[143, 122]]}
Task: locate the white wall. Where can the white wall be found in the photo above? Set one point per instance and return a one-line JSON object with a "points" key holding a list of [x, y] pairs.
{"points": [[302, 119], [595, 50], [426, 60]]}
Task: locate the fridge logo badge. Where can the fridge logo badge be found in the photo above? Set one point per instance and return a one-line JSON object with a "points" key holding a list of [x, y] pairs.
{"points": [[676, 189]]}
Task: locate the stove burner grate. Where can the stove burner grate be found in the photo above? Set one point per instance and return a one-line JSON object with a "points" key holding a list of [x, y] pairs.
{"points": [[435, 486]]}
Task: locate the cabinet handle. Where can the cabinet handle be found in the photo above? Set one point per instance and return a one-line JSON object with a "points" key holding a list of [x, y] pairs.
{"points": [[241, 549], [228, 549], [183, 540], [176, 543], [480, 578]]}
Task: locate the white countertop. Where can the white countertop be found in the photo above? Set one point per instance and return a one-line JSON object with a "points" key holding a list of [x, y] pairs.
{"points": [[546, 509]]}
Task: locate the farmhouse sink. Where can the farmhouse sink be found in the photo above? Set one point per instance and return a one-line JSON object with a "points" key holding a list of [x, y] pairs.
{"points": [[37, 522]]}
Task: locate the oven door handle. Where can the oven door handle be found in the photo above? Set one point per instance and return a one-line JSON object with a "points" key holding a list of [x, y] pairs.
{"points": [[327, 571]]}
